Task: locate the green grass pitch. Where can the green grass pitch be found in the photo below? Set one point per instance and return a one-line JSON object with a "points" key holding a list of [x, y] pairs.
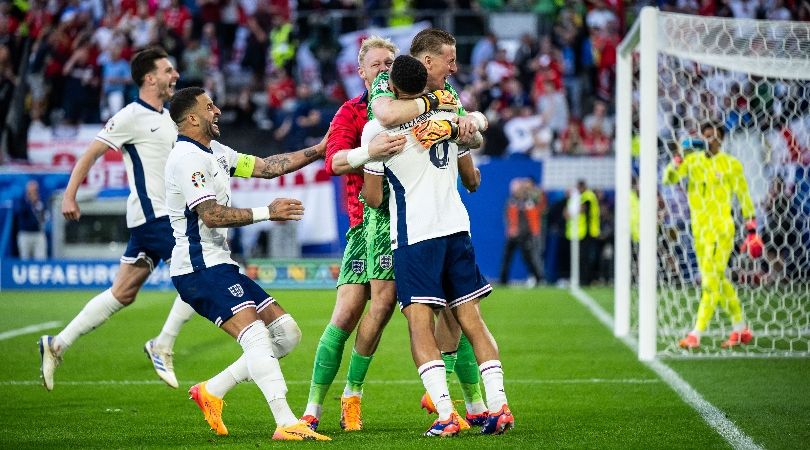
{"points": [[570, 383]]}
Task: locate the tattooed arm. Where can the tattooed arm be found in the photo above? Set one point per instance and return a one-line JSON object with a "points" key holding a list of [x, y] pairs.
{"points": [[215, 215], [277, 165]]}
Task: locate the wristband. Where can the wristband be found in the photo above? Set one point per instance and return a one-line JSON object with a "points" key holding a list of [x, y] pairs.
{"points": [[261, 214], [358, 156], [421, 105]]}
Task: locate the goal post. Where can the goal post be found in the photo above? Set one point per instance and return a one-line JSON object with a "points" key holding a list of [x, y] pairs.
{"points": [[673, 73]]}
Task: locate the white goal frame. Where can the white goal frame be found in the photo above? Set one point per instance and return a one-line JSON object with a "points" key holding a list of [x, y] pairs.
{"points": [[643, 38]]}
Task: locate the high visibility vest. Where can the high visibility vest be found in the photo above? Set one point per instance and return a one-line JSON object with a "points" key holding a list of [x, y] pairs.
{"points": [[281, 49], [588, 221]]}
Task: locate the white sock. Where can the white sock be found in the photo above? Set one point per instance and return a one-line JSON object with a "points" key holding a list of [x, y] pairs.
{"points": [[696, 332], [314, 410], [476, 407], [492, 375], [180, 313], [94, 313], [739, 326], [435, 381], [349, 392], [264, 369], [221, 383]]}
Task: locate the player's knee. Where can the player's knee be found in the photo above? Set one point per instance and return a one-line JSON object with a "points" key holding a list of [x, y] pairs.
{"points": [[125, 296], [285, 335]]}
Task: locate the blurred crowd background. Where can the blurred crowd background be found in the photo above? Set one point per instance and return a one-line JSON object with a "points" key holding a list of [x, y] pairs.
{"points": [[272, 67]]}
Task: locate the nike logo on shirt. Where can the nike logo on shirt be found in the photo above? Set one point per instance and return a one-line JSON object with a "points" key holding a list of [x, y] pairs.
{"points": [[153, 129]]}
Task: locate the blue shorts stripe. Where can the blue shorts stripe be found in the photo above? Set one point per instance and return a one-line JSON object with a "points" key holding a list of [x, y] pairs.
{"points": [[399, 195], [195, 251], [140, 182]]}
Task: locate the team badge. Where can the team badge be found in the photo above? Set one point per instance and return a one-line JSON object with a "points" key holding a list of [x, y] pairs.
{"points": [[109, 126], [386, 262], [198, 179], [236, 290], [358, 266], [384, 85]]}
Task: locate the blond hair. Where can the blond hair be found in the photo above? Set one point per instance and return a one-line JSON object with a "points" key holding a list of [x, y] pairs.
{"points": [[375, 42]]}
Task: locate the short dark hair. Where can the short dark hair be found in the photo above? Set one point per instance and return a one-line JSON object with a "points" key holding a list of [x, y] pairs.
{"points": [[144, 62], [431, 40], [718, 129], [182, 101], [408, 74]]}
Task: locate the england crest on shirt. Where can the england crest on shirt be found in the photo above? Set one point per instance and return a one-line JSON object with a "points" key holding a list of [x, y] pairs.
{"points": [[236, 290]]}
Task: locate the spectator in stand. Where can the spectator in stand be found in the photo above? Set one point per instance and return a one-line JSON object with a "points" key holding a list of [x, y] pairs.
{"points": [[525, 57], [523, 219], [571, 140], [195, 64], [500, 68], [482, 53], [114, 81], [80, 100], [551, 105], [31, 216], [600, 17], [520, 131], [302, 123]]}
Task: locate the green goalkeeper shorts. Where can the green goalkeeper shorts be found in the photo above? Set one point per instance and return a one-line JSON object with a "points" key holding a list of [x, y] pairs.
{"points": [[378, 243], [353, 267]]}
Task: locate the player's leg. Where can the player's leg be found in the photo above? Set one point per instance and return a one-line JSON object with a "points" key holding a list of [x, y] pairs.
{"points": [[157, 240], [380, 272], [465, 286], [221, 294], [418, 269], [285, 335], [703, 239], [128, 281], [352, 293], [729, 300], [506, 263]]}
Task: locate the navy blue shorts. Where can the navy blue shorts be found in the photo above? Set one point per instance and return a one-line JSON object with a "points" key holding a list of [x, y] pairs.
{"points": [[152, 242], [219, 292], [439, 272]]}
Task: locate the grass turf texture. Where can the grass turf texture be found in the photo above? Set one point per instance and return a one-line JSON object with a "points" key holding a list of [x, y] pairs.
{"points": [[570, 383]]}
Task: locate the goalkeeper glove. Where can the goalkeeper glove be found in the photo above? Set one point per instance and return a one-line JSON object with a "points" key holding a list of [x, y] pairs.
{"points": [[431, 132], [752, 244], [437, 100]]}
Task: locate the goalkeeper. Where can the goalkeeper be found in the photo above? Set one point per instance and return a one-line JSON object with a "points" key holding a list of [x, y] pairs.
{"points": [[713, 177]]}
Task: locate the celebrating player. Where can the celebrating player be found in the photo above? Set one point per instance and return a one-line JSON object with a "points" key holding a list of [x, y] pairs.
{"points": [[714, 176], [198, 197], [436, 50], [366, 270], [434, 262], [144, 133]]}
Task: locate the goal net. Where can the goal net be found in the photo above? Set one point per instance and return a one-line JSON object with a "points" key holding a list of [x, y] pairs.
{"points": [[752, 78]]}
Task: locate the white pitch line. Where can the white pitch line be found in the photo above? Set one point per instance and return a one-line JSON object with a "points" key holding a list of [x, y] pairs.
{"points": [[710, 413], [306, 382], [29, 329]]}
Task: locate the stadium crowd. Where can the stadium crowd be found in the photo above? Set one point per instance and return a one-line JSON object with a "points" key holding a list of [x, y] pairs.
{"points": [[272, 66]]}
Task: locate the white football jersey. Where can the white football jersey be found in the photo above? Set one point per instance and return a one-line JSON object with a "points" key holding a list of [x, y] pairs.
{"points": [[145, 136], [194, 174], [424, 202]]}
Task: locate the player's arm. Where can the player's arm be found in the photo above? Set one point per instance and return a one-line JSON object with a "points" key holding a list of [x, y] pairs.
{"points": [[277, 165], [382, 146], [741, 190], [390, 111], [676, 169], [470, 175], [215, 215], [373, 184], [70, 208]]}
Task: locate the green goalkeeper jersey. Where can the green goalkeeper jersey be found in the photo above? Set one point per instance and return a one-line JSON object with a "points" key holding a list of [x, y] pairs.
{"points": [[380, 88]]}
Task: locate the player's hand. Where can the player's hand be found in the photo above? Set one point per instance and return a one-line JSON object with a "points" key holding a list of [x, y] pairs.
{"points": [[752, 244], [444, 100], [286, 209], [321, 147], [431, 132], [467, 127], [385, 144], [70, 208], [677, 159], [477, 184]]}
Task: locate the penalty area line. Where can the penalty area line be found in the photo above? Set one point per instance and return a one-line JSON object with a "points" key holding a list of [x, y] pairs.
{"points": [[710, 413], [29, 329]]}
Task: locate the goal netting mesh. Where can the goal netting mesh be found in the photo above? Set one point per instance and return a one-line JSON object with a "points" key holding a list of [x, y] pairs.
{"points": [[753, 77]]}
